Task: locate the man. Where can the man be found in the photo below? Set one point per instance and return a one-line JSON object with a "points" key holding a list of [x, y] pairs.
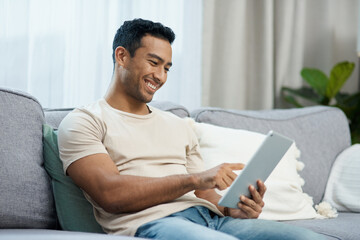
{"points": [[140, 167]]}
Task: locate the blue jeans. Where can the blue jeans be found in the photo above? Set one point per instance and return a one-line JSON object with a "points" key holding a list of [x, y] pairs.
{"points": [[198, 223]]}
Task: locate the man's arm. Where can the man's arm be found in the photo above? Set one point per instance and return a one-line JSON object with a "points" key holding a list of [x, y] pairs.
{"points": [[99, 177], [248, 208]]}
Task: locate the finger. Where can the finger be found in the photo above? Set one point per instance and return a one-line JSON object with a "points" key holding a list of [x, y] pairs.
{"points": [[222, 182], [249, 203], [236, 166], [261, 188], [226, 173], [241, 214], [255, 194], [232, 176], [256, 197], [249, 210], [221, 185], [228, 180]]}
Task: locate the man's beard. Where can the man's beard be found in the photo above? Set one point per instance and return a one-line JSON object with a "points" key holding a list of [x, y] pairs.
{"points": [[136, 93]]}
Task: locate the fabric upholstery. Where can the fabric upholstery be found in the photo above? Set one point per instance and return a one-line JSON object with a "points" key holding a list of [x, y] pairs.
{"points": [[41, 234], [54, 116], [343, 187], [26, 200], [344, 227], [320, 133], [176, 109]]}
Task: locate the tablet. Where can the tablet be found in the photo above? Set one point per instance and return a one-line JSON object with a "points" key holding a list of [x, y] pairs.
{"points": [[260, 166]]}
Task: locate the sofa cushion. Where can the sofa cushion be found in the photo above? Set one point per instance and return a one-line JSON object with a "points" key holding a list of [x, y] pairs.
{"points": [[343, 187], [26, 200], [176, 109], [54, 116], [42, 234], [74, 212], [320, 133], [344, 227]]}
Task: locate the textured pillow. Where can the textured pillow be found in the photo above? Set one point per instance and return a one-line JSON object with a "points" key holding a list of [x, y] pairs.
{"points": [[343, 187], [74, 212], [284, 198]]}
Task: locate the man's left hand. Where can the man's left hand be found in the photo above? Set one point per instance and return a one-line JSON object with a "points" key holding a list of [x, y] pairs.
{"points": [[250, 207]]}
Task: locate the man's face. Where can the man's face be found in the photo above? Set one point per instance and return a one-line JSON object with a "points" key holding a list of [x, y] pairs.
{"points": [[147, 71]]}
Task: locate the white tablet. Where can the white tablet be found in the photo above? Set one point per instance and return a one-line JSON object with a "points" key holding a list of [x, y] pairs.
{"points": [[260, 166]]}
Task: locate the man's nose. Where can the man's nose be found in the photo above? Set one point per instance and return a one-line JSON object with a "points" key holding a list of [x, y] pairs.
{"points": [[160, 74]]}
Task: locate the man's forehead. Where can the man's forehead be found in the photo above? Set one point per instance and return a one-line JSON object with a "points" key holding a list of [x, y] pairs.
{"points": [[149, 40], [156, 46]]}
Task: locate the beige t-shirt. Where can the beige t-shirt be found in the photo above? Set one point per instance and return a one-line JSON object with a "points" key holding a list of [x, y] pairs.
{"points": [[153, 145]]}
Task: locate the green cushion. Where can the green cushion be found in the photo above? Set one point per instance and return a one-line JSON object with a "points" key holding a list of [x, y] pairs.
{"points": [[74, 212]]}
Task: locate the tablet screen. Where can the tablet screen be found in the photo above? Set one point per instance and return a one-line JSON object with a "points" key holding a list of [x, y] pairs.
{"points": [[260, 166]]}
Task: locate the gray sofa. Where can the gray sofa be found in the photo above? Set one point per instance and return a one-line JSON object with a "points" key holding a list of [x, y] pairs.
{"points": [[27, 208]]}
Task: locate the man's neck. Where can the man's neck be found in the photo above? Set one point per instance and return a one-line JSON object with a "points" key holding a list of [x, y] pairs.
{"points": [[117, 98], [133, 107]]}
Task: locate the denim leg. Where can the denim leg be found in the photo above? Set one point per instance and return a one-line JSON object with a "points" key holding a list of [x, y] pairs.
{"points": [[258, 229], [198, 223], [189, 224]]}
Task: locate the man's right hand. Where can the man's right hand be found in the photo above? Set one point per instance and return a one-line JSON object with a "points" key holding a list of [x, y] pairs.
{"points": [[219, 177]]}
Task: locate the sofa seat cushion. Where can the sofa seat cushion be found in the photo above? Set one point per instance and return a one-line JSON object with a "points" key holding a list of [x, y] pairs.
{"points": [[344, 227], [41, 234], [26, 199]]}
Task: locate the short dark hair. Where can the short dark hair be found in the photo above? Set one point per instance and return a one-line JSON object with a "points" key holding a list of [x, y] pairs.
{"points": [[129, 35]]}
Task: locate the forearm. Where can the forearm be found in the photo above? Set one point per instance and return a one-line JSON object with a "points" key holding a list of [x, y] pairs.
{"points": [[98, 176], [145, 192], [133, 193]]}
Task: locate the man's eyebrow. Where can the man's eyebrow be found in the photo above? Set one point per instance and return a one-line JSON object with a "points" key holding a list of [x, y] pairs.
{"points": [[159, 58]]}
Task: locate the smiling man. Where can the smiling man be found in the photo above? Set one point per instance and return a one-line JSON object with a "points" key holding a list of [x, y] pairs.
{"points": [[140, 167]]}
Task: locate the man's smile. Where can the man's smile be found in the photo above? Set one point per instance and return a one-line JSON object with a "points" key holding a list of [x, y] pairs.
{"points": [[152, 84]]}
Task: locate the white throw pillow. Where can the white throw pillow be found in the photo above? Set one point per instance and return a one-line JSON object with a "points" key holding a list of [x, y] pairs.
{"points": [[284, 198], [343, 187]]}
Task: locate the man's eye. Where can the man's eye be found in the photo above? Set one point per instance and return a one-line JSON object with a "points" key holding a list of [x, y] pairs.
{"points": [[153, 62], [167, 69]]}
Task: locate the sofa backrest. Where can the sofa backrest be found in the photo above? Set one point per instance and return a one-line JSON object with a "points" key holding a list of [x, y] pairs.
{"points": [[53, 117], [320, 133], [26, 199]]}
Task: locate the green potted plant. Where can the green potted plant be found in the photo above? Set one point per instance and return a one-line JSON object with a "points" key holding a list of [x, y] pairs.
{"points": [[324, 90]]}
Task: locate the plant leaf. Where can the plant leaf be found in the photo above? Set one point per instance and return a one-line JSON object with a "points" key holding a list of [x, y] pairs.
{"points": [[292, 100], [338, 76], [350, 104], [316, 79], [303, 92]]}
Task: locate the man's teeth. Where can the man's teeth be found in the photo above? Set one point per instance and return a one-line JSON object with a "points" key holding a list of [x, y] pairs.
{"points": [[150, 85]]}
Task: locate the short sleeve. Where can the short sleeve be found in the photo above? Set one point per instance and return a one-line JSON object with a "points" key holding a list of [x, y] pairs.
{"points": [[194, 161], [80, 134]]}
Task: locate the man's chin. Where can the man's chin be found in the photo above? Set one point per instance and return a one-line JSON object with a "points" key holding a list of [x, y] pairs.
{"points": [[147, 99]]}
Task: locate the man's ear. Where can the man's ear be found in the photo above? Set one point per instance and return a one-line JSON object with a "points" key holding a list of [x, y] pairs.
{"points": [[121, 55]]}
